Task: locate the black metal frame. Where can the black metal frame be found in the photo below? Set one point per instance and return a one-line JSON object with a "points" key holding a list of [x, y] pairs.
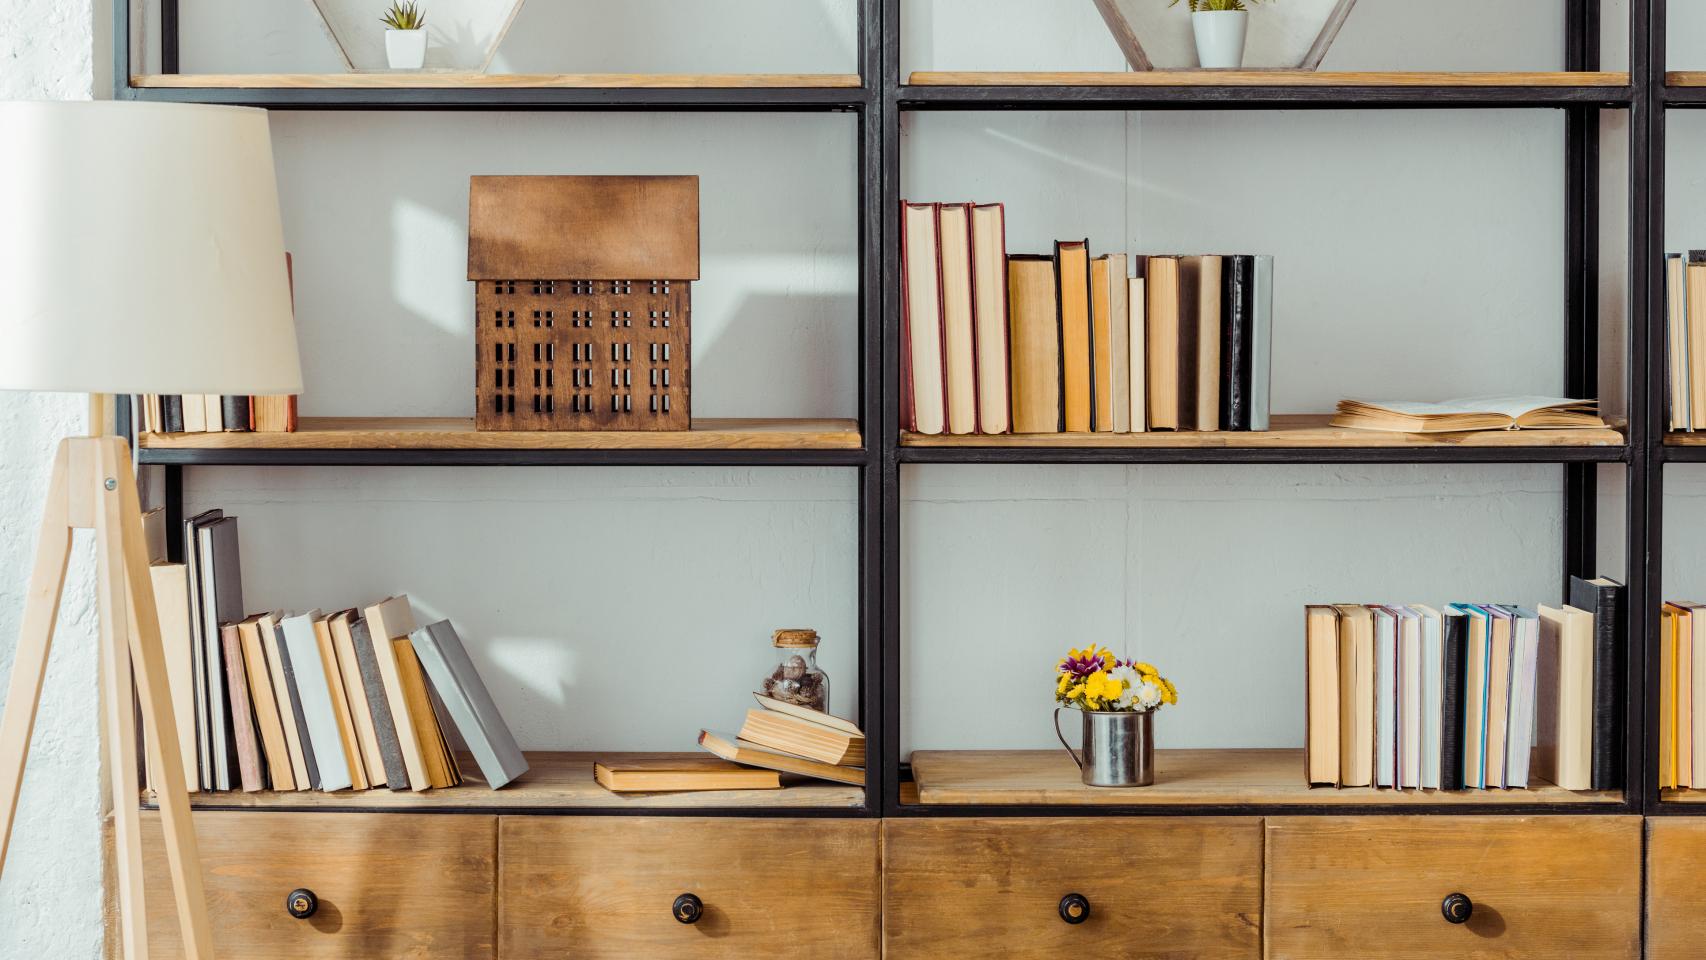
{"points": [[879, 104]]}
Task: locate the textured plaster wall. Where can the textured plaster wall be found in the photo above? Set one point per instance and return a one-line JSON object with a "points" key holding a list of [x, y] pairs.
{"points": [[50, 896]]}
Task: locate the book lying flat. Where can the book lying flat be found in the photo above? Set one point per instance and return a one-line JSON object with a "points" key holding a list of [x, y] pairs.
{"points": [[803, 738], [751, 754], [1477, 413], [663, 774], [807, 713]]}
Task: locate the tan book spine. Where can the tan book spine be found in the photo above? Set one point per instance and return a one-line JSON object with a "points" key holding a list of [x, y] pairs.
{"points": [[1035, 345], [1072, 287], [1137, 303], [356, 693], [265, 705], [1677, 353], [386, 622], [1117, 284], [281, 694], [1208, 345], [171, 599], [340, 704], [1162, 296], [1101, 347], [438, 765], [1697, 342]]}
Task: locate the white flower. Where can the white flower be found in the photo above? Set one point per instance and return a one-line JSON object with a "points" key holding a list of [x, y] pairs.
{"points": [[1147, 696]]}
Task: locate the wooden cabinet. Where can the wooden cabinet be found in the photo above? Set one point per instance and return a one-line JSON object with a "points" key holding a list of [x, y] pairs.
{"points": [[1151, 887], [1676, 888], [1373, 887], [399, 887], [574, 887]]}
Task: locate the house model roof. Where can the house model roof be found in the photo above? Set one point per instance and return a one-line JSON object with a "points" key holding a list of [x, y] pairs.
{"points": [[583, 228]]}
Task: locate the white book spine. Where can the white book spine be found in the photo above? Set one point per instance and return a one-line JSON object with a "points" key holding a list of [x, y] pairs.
{"points": [[1385, 705], [1433, 692], [1410, 701], [1519, 735], [1138, 306], [316, 695]]}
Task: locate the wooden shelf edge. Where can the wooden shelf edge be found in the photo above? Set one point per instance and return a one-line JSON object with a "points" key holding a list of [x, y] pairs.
{"points": [[1685, 78], [493, 81], [1290, 430], [1264, 78], [1227, 777], [403, 433], [557, 781]]}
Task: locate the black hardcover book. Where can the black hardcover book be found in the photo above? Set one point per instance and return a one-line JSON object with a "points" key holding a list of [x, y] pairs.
{"points": [[1604, 599], [1455, 653], [1237, 326], [235, 413], [172, 411]]}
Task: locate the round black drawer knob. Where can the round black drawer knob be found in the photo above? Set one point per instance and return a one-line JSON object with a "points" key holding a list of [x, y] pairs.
{"points": [[688, 908], [1074, 908], [302, 903], [1457, 908]]}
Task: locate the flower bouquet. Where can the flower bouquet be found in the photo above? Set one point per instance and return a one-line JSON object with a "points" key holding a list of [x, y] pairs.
{"points": [[1117, 700]]}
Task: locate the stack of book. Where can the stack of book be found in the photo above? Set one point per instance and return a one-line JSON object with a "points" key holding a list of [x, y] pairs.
{"points": [[1682, 684], [1071, 342], [1471, 696], [1685, 339], [212, 413], [777, 738], [314, 701]]}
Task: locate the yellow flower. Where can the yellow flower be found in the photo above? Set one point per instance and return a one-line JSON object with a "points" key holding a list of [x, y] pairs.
{"points": [[1065, 681], [1169, 693], [1145, 670]]}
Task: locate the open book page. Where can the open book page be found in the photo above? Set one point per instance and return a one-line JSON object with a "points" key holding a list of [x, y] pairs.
{"points": [[1474, 413]]}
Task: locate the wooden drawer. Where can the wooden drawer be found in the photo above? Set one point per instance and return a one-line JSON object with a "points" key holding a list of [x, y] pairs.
{"points": [[389, 885], [1156, 887], [1372, 887], [1676, 888], [605, 887]]}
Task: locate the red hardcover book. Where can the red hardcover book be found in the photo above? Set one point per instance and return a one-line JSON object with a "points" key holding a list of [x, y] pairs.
{"points": [[250, 762]]}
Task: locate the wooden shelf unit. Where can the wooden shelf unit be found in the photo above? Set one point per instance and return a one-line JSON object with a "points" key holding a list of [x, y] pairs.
{"points": [[1296, 431], [458, 433], [1183, 778], [555, 781], [450, 80], [1262, 78]]}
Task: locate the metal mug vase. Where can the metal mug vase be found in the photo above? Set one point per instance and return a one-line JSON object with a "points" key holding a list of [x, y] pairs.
{"points": [[1119, 748]]}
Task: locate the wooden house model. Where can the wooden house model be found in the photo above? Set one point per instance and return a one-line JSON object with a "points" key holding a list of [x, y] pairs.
{"points": [[581, 301]]}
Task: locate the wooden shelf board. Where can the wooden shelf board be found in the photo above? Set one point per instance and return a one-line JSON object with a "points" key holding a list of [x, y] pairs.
{"points": [[424, 433], [1686, 78], [1263, 78], [1669, 795], [1686, 439], [555, 781], [430, 80], [1183, 777], [1295, 430]]}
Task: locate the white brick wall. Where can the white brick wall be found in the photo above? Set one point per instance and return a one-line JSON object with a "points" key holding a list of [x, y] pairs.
{"points": [[50, 896]]}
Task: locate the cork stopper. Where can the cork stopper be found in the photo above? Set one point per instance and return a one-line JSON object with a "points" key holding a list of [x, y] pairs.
{"points": [[794, 637]]}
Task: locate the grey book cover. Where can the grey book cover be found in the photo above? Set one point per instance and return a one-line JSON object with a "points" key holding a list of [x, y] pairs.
{"points": [[315, 694], [468, 703], [1262, 343], [384, 726], [221, 603], [198, 648], [296, 715]]}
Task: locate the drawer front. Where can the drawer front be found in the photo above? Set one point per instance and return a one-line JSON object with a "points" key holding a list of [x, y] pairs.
{"points": [[606, 887], [1676, 888], [1155, 887], [1373, 887], [389, 885]]}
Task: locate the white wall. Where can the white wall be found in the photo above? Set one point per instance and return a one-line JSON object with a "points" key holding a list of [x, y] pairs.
{"points": [[50, 897]]}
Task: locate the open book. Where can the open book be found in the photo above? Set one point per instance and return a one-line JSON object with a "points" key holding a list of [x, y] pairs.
{"points": [[1476, 413]]}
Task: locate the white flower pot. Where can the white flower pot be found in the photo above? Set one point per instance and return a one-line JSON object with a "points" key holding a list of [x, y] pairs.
{"points": [[1220, 38], [405, 49]]}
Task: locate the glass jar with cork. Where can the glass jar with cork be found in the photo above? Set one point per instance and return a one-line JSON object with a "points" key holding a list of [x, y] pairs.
{"points": [[797, 679]]}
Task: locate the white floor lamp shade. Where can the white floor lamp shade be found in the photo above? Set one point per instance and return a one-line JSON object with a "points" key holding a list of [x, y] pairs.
{"points": [[141, 251]]}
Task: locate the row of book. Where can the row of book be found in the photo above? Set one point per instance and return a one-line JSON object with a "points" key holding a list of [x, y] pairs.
{"points": [[347, 700], [1069, 342], [212, 413], [777, 738], [1682, 685], [1685, 339], [1469, 696]]}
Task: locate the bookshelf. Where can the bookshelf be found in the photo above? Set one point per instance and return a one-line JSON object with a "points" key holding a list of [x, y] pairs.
{"points": [[880, 94], [1040, 787]]}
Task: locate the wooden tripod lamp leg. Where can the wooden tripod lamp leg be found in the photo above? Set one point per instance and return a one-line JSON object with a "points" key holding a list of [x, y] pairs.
{"points": [[41, 610], [119, 524], [119, 714]]}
